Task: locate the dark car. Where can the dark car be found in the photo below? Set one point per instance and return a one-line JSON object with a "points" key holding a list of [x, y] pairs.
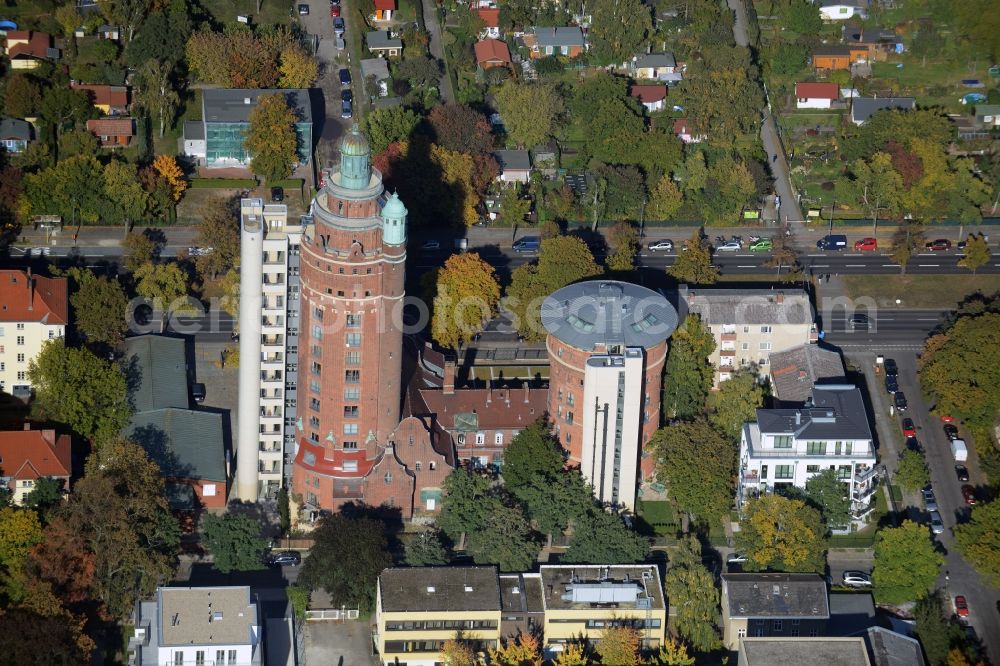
{"points": [[284, 558], [345, 77], [277, 194], [950, 431], [859, 322], [346, 109], [913, 444], [891, 369], [901, 401], [346, 95], [891, 384], [303, 10], [939, 245], [969, 495], [962, 472], [198, 392], [909, 429], [338, 26]]}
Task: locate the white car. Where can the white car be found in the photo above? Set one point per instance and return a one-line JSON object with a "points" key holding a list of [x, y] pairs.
{"points": [[431, 245], [661, 246], [737, 558], [731, 246], [936, 525], [857, 579]]}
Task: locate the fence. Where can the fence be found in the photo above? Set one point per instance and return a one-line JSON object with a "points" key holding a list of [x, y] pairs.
{"points": [[336, 614]]}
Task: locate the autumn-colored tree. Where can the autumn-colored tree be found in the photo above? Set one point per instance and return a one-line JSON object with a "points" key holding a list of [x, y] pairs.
{"points": [[693, 264], [977, 253], [22, 96], [619, 646], [167, 167], [907, 241], [467, 296], [624, 240], [456, 652], [456, 175], [165, 285], [671, 653], [529, 111], [140, 249], [271, 139], [27, 637], [572, 654], [20, 530], [665, 200], [525, 650], [63, 562], [124, 191], [907, 165], [219, 229], [298, 69], [782, 534], [460, 128]]}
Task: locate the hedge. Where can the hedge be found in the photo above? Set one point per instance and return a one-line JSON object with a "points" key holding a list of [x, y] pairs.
{"points": [[222, 183]]}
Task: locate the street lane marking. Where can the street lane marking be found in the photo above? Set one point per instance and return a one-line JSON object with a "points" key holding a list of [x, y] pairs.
{"points": [[815, 255], [890, 265], [856, 265], [927, 319], [821, 265], [929, 265], [750, 266]]}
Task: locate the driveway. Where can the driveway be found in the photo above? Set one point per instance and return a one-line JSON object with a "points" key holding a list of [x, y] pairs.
{"points": [[436, 47], [339, 644]]}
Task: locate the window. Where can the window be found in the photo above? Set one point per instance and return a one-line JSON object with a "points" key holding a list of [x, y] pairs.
{"points": [[199, 657], [480, 438], [765, 329], [317, 332], [783, 441], [353, 358], [432, 466], [569, 399], [20, 358], [569, 418], [812, 469], [776, 625], [416, 466], [350, 428], [22, 376], [179, 658], [314, 404], [763, 472], [844, 472], [220, 656], [498, 439], [353, 339], [351, 412], [848, 448], [741, 632], [559, 395], [316, 351], [352, 376], [52, 334], [816, 448], [20, 339], [350, 465], [388, 478], [20, 326], [350, 446], [745, 346], [784, 471], [796, 623], [765, 346], [314, 386], [317, 314], [352, 394], [353, 321], [314, 422], [316, 368]]}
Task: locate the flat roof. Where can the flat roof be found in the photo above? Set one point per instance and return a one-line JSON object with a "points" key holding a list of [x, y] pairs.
{"points": [[776, 595], [624, 586], [439, 589], [206, 615], [749, 306], [233, 105], [813, 651], [837, 411], [608, 312]]}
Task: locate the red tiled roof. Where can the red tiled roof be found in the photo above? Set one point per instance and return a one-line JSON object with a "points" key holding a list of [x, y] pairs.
{"points": [[490, 16], [111, 127], [37, 46], [491, 50], [648, 94], [100, 94], [817, 91], [385, 4], [47, 303], [680, 126], [32, 454], [523, 407]]}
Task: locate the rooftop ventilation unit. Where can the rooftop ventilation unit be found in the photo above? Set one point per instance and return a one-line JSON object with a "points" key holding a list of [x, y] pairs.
{"points": [[430, 589], [601, 593]]}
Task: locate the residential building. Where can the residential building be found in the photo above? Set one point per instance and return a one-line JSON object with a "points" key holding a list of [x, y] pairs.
{"points": [[816, 95], [566, 41], [786, 447], [225, 118], [987, 114], [112, 132], [27, 49], [796, 371], [879, 41], [607, 344], [803, 650], [15, 134], [109, 100], [836, 57], [111, 32], [515, 165], [35, 310], [382, 44], [891, 648], [751, 324], [269, 328], [418, 609], [842, 10], [862, 108], [490, 17], [378, 69], [198, 626], [384, 10], [683, 131], [653, 66], [772, 605], [653, 98], [29, 455], [187, 444], [492, 53]]}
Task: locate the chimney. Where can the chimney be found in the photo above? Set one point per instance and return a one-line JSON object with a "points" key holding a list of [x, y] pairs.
{"points": [[27, 426], [779, 297], [527, 392], [448, 381], [798, 418], [31, 291]]}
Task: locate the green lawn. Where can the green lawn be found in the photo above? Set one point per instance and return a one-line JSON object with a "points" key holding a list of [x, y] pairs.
{"points": [[271, 11], [658, 514], [919, 291]]}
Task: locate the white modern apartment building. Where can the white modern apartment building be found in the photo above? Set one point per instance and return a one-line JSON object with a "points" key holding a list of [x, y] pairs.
{"points": [[35, 310], [786, 447], [269, 338], [750, 324], [198, 626]]}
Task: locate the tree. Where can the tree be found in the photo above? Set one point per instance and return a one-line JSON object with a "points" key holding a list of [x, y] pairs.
{"points": [[219, 229], [624, 239], [346, 558], [67, 189], [533, 452], [980, 24], [828, 493], [140, 249], [387, 125], [803, 17], [525, 650], [514, 207], [62, 106], [781, 534], [271, 139], [691, 589], [168, 169], [665, 200], [619, 646], [165, 285], [62, 563], [620, 30], [126, 13], [934, 629], [75, 387], [457, 652], [124, 192], [694, 264], [20, 530], [161, 38], [234, 542], [99, 307], [735, 403], [979, 540], [502, 537], [672, 653], [788, 59], [877, 185], [284, 511], [529, 111], [911, 472], [555, 501], [462, 508], [600, 536], [467, 296], [906, 563], [156, 92], [46, 494], [27, 636], [572, 655], [977, 253], [907, 241], [298, 69], [460, 128], [22, 96], [697, 463], [426, 549], [688, 374]]}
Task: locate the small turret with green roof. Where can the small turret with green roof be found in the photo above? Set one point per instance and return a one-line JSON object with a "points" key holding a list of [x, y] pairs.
{"points": [[355, 160], [394, 221]]}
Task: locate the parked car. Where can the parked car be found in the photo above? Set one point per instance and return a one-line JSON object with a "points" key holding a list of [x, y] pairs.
{"points": [[962, 472], [832, 242], [947, 419], [334, 11], [891, 369], [930, 502], [338, 26], [345, 76], [912, 444], [866, 245], [961, 606], [969, 495], [939, 245], [737, 558], [346, 109], [277, 194], [661, 246], [950, 431], [730, 246], [198, 392], [763, 245], [891, 384], [303, 10], [527, 244], [857, 579], [900, 399], [284, 558], [346, 95], [431, 245], [909, 429], [859, 322], [937, 527]]}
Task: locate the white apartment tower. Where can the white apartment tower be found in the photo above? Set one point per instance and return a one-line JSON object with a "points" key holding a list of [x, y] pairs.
{"points": [[269, 337]]}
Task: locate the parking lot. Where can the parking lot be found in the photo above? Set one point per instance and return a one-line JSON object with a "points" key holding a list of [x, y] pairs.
{"points": [[339, 644]]}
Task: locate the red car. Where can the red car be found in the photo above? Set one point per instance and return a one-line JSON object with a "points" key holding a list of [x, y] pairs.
{"points": [[939, 245], [969, 494], [961, 607], [947, 419], [909, 430], [334, 11], [866, 245]]}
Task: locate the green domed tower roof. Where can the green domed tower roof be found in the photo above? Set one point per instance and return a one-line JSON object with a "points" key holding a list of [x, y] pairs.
{"points": [[394, 221], [355, 160], [354, 143]]}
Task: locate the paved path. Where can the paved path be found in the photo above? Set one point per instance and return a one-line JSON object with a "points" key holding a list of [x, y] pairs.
{"points": [[433, 26]]}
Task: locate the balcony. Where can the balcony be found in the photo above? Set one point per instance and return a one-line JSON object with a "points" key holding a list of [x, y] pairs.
{"points": [[270, 377], [272, 340], [270, 413], [861, 475], [728, 337], [750, 477], [727, 352]]}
